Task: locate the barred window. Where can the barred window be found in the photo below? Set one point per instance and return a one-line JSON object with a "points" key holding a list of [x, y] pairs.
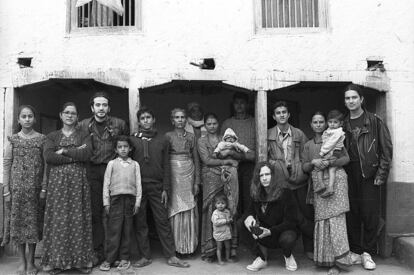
{"points": [[93, 15], [292, 14]]}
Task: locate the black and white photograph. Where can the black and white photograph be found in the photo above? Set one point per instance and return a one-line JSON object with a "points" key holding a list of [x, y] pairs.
{"points": [[206, 137]]}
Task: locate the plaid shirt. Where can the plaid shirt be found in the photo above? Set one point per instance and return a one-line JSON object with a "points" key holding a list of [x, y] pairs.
{"points": [[103, 149]]}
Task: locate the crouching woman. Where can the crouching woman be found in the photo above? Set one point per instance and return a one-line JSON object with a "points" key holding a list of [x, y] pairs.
{"points": [[271, 218]]}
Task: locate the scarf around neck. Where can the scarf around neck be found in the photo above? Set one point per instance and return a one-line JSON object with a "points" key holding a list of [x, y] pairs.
{"points": [[146, 136]]}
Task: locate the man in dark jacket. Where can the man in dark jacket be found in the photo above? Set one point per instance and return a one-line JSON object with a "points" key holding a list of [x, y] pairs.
{"points": [[103, 130], [152, 154], [369, 145]]}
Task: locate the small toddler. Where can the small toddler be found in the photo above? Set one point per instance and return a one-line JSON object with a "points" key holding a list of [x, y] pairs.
{"points": [[221, 219], [332, 145], [121, 198]]}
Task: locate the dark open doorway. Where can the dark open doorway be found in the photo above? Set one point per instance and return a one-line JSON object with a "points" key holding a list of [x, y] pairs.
{"points": [[48, 97], [213, 96], [305, 98]]}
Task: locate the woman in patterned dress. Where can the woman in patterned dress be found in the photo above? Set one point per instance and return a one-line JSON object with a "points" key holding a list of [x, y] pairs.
{"points": [[185, 181], [68, 220], [331, 247], [23, 175]]}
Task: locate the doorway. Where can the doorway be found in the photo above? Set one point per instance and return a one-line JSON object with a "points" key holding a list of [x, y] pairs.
{"points": [[47, 97]]}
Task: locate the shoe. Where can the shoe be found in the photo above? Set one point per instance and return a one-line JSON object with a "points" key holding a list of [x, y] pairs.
{"points": [[257, 264], [291, 264], [367, 261], [355, 258]]}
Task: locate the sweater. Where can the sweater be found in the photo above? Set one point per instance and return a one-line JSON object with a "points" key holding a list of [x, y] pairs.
{"points": [[122, 177], [280, 215], [245, 130], [157, 168]]}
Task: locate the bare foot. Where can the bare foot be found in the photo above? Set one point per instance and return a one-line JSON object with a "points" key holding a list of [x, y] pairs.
{"points": [[21, 270], [31, 269], [333, 271], [220, 262]]}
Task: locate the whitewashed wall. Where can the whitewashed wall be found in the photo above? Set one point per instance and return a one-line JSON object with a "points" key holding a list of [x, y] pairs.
{"points": [[176, 32]]}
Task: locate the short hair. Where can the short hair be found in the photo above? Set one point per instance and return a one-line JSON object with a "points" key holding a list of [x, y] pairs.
{"points": [[280, 103], [335, 114], [220, 197], [98, 94], [143, 110], [26, 106], [210, 115], [242, 96], [121, 138], [355, 88], [67, 104]]}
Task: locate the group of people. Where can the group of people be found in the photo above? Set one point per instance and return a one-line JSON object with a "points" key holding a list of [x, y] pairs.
{"points": [[85, 189]]}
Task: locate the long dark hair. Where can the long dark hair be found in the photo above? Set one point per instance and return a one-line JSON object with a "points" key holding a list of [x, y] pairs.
{"points": [[257, 191]]}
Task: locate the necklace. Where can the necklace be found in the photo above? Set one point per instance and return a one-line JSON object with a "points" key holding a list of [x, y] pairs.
{"points": [[28, 135], [67, 133]]}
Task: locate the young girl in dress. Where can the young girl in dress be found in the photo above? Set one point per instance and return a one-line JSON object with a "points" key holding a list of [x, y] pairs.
{"points": [[221, 219], [23, 175]]}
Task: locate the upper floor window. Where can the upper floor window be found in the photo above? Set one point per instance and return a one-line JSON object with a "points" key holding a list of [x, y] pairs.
{"points": [[291, 15], [104, 15]]}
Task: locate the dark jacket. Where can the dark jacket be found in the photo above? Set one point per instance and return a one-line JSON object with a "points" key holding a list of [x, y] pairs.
{"points": [[73, 154], [297, 178], [102, 145], [374, 146], [280, 215], [157, 168]]}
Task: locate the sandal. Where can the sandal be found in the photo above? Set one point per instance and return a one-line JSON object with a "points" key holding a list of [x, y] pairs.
{"points": [[105, 266], [32, 272], [142, 262], [85, 270], [174, 261], [55, 271], [124, 265]]}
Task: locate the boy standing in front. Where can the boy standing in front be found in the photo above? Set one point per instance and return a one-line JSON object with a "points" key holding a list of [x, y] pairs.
{"points": [[121, 199]]}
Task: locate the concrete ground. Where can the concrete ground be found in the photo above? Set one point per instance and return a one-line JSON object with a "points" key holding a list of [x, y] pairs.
{"points": [[276, 265]]}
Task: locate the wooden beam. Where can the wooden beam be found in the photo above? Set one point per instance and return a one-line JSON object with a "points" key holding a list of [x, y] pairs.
{"points": [[261, 125], [134, 105]]}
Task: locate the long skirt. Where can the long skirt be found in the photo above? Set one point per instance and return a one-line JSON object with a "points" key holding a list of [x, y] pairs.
{"points": [[212, 185], [68, 219], [183, 212], [331, 241]]}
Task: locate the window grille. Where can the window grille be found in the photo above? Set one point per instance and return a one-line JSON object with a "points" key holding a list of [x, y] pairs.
{"points": [[94, 15], [292, 14]]}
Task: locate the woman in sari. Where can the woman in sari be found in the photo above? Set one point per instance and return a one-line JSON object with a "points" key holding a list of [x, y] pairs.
{"points": [[214, 182], [331, 248], [185, 181]]}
